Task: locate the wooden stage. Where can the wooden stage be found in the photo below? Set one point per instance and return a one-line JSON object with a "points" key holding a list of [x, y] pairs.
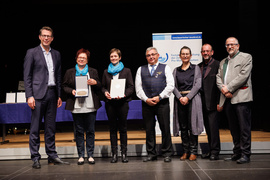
{"points": [[134, 137], [18, 146]]}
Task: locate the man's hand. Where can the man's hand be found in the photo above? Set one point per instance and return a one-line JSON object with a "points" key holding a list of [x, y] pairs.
{"points": [[152, 101], [59, 103], [31, 102], [224, 89], [228, 95], [219, 108]]}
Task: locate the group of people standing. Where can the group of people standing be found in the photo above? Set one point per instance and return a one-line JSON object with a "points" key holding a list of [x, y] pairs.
{"points": [[200, 92]]}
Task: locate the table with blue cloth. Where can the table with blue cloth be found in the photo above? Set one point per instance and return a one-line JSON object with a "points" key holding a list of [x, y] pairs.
{"points": [[21, 113]]}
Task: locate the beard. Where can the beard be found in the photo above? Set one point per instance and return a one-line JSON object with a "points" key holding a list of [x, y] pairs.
{"points": [[232, 52]]}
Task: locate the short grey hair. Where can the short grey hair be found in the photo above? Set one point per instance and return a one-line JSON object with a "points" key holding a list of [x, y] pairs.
{"points": [[237, 42], [150, 48]]}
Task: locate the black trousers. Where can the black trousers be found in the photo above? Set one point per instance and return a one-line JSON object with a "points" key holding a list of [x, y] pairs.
{"points": [[46, 108], [162, 111], [239, 118], [189, 141], [117, 112], [85, 122], [211, 124]]}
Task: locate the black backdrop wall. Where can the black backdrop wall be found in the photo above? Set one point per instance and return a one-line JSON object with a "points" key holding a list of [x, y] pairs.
{"points": [[101, 25]]}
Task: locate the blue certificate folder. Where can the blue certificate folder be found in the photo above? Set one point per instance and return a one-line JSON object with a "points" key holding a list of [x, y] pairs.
{"points": [[81, 86]]}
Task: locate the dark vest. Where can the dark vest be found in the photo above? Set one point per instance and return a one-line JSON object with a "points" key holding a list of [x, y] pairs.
{"points": [[153, 85]]}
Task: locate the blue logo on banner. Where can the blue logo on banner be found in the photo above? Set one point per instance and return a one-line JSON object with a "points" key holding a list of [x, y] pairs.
{"points": [[163, 59]]}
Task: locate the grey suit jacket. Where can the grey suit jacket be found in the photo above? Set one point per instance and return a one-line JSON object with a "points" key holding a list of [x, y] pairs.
{"points": [[36, 73], [238, 79]]}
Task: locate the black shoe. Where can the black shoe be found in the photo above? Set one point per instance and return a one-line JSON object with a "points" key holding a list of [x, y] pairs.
{"points": [[57, 161], [36, 165], [91, 160], [214, 157], [150, 158], [234, 157], [244, 159], [167, 159], [205, 156], [81, 161], [124, 158], [114, 158]]}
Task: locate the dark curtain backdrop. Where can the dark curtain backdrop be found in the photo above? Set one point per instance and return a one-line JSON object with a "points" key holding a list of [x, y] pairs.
{"points": [[128, 25]]}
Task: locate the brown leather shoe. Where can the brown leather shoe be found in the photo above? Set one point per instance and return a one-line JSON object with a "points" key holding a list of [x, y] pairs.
{"points": [[184, 157], [192, 157]]}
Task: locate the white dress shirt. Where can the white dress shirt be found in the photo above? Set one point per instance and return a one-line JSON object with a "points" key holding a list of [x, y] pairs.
{"points": [[165, 93], [49, 62]]}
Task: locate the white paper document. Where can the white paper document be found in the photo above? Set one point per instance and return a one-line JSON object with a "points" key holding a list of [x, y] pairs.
{"points": [[118, 88], [21, 97], [10, 97]]}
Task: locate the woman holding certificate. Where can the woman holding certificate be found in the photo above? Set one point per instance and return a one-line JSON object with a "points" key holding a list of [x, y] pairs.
{"points": [[117, 86], [81, 84]]}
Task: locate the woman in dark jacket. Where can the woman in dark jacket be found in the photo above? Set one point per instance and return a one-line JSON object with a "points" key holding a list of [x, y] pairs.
{"points": [[83, 109], [117, 108], [188, 104]]}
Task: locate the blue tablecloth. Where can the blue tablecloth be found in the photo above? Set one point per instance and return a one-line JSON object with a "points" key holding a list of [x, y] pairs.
{"points": [[21, 113]]}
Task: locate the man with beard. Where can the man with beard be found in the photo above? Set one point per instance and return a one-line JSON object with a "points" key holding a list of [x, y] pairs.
{"points": [[234, 82], [209, 68]]}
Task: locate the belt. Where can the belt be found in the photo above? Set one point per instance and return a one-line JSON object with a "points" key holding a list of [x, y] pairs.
{"points": [[184, 92], [51, 87], [243, 87]]}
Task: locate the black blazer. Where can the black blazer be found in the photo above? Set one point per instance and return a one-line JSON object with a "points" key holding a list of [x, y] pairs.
{"points": [[124, 74], [69, 86], [36, 72], [210, 94]]}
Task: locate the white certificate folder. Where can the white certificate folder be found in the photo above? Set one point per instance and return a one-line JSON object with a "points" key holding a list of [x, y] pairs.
{"points": [[81, 86], [118, 88]]}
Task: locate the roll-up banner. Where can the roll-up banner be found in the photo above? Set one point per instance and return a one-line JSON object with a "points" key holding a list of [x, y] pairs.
{"points": [[168, 46]]}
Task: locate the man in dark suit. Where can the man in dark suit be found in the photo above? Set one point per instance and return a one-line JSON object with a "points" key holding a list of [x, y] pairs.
{"points": [[42, 79], [210, 93]]}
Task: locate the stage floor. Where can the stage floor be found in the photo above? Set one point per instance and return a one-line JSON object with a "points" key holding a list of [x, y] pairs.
{"points": [[258, 168], [134, 137]]}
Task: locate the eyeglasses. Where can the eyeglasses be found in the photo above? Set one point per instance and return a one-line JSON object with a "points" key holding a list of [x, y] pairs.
{"points": [[83, 58], [46, 36], [228, 45], [206, 51], [153, 54]]}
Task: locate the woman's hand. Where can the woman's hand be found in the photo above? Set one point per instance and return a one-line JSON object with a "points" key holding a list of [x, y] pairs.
{"points": [[184, 100], [91, 82], [73, 92], [107, 95]]}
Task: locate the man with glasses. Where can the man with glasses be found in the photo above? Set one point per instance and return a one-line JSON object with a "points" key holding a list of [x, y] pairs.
{"points": [[154, 84], [234, 82], [210, 96], [42, 80]]}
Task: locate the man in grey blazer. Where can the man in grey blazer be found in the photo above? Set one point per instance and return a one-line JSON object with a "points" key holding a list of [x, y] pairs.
{"points": [[234, 82], [42, 79]]}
